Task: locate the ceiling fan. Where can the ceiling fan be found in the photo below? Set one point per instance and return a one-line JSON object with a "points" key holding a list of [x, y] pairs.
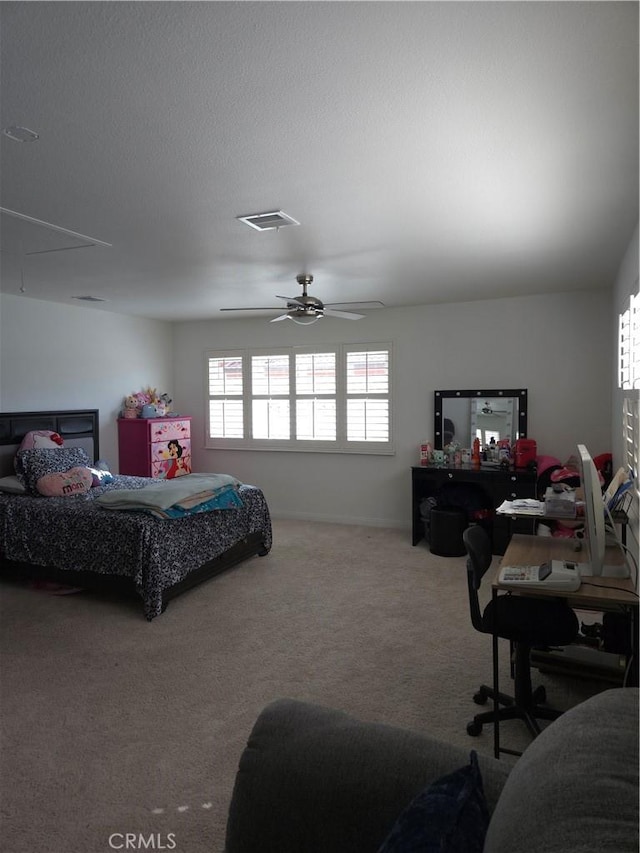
{"points": [[487, 410], [308, 309]]}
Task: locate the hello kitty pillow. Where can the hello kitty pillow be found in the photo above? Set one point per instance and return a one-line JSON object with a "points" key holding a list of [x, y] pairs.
{"points": [[41, 438]]}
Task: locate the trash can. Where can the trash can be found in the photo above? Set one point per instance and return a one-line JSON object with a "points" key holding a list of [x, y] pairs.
{"points": [[447, 524]]}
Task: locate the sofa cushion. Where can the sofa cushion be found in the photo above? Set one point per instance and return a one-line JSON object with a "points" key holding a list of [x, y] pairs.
{"points": [[315, 780], [449, 816], [576, 786]]}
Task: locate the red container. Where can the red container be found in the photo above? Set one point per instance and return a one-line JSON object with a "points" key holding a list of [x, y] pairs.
{"points": [[525, 451]]}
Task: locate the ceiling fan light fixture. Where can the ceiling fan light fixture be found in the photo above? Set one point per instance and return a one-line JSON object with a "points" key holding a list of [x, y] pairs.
{"points": [[303, 319]]}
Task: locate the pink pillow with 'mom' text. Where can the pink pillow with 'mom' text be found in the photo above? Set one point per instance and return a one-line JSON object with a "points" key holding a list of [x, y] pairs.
{"points": [[75, 481]]}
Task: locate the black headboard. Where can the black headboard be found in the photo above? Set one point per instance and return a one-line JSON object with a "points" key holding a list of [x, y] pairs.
{"points": [[70, 424]]}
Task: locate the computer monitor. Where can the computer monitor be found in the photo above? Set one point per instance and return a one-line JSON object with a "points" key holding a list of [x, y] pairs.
{"points": [[594, 511]]}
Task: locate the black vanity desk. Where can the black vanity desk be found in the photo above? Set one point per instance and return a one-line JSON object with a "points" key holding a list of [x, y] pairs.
{"points": [[497, 485]]}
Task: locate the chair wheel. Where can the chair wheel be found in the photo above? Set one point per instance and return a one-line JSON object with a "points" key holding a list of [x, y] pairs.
{"points": [[480, 698], [474, 729]]}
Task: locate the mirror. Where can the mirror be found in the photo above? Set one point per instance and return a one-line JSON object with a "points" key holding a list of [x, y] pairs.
{"points": [[496, 413]]}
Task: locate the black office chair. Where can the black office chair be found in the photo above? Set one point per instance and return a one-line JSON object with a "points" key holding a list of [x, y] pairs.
{"points": [[527, 623]]}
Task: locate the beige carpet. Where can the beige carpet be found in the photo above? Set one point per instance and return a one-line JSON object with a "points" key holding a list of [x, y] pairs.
{"points": [[111, 724]]}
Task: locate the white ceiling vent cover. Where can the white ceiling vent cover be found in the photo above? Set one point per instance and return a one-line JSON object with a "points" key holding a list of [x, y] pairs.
{"points": [[268, 221]]}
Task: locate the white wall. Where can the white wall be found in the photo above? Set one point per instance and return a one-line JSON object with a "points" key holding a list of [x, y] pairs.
{"points": [[557, 346], [66, 357]]}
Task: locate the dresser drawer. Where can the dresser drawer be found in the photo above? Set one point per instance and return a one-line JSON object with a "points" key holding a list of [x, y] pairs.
{"points": [[171, 458], [166, 430], [515, 486]]}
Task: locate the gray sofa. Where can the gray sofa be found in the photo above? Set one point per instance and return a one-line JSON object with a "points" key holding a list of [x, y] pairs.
{"points": [[314, 780]]}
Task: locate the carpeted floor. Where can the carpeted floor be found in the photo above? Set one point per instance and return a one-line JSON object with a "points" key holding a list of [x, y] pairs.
{"points": [[112, 725]]}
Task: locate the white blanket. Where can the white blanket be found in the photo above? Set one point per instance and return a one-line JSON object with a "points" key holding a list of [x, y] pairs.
{"points": [[162, 494]]}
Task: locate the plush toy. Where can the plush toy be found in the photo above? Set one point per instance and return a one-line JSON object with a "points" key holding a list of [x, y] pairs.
{"points": [[43, 438], [160, 406], [100, 473], [148, 411], [130, 407], [142, 399]]}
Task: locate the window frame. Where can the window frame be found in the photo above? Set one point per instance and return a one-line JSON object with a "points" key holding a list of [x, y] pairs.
{"points": [[292, 444]]}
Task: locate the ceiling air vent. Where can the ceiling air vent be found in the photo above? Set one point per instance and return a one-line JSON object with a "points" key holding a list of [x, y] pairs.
{"points": [[88, 298], [268, 221]]}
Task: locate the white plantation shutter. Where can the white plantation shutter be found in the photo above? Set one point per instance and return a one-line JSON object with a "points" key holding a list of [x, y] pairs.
{"points": [[225, 418], [316, 410], [225, 381], [271, 419], [367, 395], [270, 391], [629, 383], [269, 374], [316, 373], [367, 420], [316, 420], [332, 398], [629, 345]]}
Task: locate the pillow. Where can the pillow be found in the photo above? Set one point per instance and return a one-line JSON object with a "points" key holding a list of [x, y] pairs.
{"points": [[75, 481], [31, 465], [40, 438], [449, 816], [12, 485]]}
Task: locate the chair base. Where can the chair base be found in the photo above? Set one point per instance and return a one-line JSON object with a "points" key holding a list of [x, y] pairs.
{"points": [[529, 711]]}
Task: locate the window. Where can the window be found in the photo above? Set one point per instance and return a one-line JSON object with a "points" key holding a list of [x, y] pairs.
{"points": [[629, 345], [333, 398], [629, 379]]}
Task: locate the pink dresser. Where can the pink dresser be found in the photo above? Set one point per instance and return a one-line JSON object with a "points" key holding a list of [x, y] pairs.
{"points": [[154, 447]]}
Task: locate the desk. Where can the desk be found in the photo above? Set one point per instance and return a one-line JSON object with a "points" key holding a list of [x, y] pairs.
{"points": [[600, 594], [492, 485], [618, 516]]}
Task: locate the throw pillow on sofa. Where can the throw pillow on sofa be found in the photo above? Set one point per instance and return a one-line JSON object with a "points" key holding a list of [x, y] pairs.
{"points": [[449, 816]]}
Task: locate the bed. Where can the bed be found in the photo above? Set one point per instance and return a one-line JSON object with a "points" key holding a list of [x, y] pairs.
{"points": [[75, 541]]}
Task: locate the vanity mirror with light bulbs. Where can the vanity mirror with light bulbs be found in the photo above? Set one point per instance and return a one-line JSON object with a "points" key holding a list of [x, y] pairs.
{"points": [[491, 415], [460, 416]]}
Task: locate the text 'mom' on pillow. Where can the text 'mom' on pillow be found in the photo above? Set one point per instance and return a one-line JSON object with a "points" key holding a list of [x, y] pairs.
{"points": [[61, 484], [41, 438]]}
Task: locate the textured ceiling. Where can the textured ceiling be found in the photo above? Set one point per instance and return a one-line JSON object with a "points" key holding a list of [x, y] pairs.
{"points": [[432, 151]]}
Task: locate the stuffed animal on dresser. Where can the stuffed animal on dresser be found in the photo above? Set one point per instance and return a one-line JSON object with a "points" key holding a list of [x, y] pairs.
{"points": [[130, 409], [160, 406]]}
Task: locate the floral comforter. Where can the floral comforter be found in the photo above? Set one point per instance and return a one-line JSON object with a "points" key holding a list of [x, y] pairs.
{"points": [[76, 533]]}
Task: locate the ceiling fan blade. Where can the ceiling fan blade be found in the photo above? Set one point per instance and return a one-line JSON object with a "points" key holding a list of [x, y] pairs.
{"points": [[366, 306], [281, 317], [293, 299], [344, 315], [263, 308]]}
